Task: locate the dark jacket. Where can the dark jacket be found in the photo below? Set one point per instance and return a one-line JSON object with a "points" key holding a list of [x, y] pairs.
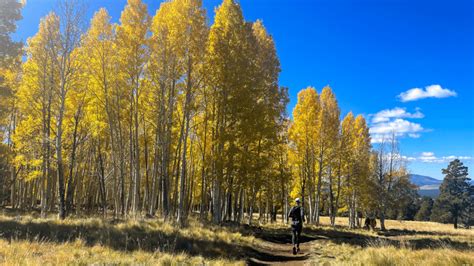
{"points": [[297, 215]]}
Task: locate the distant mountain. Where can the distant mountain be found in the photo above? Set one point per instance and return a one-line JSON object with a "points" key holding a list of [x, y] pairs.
{"points": [[428, 186], [422, 180]]}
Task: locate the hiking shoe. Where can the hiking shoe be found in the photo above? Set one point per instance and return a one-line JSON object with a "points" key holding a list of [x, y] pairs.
{"points": [[294, 251], [298, 250]]}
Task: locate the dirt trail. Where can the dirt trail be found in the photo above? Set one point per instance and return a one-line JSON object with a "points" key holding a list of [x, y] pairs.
{"points": [[328, 246], [275, 248], [280, 254], [316, 246]]}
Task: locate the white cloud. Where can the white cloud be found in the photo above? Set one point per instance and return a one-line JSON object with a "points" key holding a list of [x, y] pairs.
{"points": [[430, 157], [394, 121], [397, 112], [433, 91], [400, 127], [377, 138], [408, 158], [452, 157]]}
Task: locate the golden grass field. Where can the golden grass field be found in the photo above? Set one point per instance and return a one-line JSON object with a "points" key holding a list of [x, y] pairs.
{"points": [[27, 240], [404, 243]]}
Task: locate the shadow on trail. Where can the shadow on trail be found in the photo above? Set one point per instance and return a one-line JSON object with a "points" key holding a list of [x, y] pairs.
{"points": [[125, 237], [355, 238], [134, 237], [130, 238], [265, 258], [283, 236], [122, 237], [345, 237]]}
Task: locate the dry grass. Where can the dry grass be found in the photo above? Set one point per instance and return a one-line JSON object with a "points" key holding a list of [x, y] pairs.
{"points": [[404, 243], [29, 240], [404, 256], [78, 253], [25, 240], [409, 225], [346, 254]]}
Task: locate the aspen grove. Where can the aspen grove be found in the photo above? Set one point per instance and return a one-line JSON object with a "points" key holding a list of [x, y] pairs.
{"points": [[168, 116]]}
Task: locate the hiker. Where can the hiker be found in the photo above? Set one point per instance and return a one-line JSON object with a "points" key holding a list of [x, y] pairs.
{"points": [[297, 218]]}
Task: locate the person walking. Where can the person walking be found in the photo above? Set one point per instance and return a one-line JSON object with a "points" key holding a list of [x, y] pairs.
{"points": [[297, 218]]}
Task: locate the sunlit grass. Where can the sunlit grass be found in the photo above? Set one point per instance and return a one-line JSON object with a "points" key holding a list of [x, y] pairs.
{"points": [[78, 253], [27, 240], [30, 240], [418, 226], [403, 256], [417, 243]]}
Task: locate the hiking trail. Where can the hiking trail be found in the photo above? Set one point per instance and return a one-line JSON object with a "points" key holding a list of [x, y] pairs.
{"points": [[275, 248]]}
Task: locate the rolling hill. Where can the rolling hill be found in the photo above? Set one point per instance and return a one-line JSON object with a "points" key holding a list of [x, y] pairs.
{"points": [[429, 186], [422, 180]]}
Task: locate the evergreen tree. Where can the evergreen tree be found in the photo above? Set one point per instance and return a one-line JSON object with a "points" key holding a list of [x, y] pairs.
{"points": [[456, 195], [424, 212]]}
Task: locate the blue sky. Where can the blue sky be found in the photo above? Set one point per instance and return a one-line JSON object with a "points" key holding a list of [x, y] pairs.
{"points": [[369, 52]]}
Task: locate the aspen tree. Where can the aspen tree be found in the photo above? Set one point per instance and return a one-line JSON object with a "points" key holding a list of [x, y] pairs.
{"points": [[303, 134], [132, 53], [327, 130], [227, 65], [35, 101], [329, 134]]}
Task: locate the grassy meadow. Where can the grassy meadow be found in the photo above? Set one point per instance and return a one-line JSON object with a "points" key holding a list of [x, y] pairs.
{"points": [[404, 243], [28, 240]]}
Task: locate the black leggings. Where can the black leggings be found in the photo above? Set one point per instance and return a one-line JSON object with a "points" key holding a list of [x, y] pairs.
{"points": [[296, 232]]}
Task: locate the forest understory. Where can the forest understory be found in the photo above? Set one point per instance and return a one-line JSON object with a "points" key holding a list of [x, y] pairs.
{"points": [[27, 239]]}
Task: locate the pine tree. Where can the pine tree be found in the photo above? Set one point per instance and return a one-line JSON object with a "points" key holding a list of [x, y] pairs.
{"points": [[456, 194], [424, 212]]}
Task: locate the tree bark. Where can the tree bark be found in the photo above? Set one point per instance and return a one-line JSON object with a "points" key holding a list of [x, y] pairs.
{"points": [[71, 183]]}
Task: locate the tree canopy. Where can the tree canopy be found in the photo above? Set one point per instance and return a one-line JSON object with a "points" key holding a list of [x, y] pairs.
{"points": [[166, 115]]}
